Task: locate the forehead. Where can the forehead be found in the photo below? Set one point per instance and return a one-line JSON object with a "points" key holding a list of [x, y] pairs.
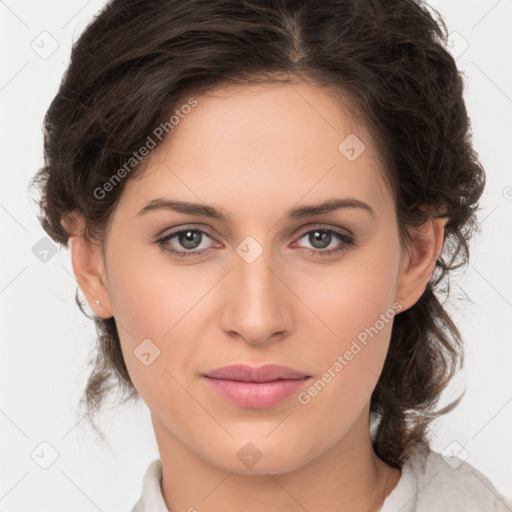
{"points": [[265, 144]]}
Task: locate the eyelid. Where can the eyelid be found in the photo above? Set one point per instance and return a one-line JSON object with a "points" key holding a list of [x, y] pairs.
{"points": [[323, 226], [303, 230], [179, 229], [176, 229], [346, 237]]}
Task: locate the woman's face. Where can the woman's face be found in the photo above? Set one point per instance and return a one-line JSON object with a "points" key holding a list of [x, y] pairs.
{"points": [[264, 286]]}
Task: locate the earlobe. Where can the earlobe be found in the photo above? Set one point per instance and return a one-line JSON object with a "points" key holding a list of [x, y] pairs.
{"points": [[419, 260], [87, 261], [88, 266]]}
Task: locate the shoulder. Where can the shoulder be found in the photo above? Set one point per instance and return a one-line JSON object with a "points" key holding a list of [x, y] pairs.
{"points": [[432, 481], [151, 499]]}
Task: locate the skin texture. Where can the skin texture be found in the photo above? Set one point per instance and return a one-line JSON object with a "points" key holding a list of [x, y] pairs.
{"points": [[255, 153]]}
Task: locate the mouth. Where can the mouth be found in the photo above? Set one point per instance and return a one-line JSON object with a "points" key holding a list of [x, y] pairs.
{"points": [[261, 387]]}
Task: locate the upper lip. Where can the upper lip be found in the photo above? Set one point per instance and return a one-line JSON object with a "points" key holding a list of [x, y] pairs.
{"points": [[266, 373]]}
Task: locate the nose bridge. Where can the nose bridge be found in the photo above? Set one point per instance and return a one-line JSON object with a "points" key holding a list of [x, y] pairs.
{"points": [[252, 268], [254, 279], [256, 308]]}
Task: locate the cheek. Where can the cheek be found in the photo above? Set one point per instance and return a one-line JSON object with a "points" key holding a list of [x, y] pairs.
{"points": [[157, 300], [354, 307], [351, 296], [150, 293]]}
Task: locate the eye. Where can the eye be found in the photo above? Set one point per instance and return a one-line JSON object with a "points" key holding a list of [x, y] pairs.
{"points": [[188, 239], [191, 239], [321, 238]]}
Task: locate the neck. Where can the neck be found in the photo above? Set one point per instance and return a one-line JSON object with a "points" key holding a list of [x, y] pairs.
{"points": [[348, 477]]}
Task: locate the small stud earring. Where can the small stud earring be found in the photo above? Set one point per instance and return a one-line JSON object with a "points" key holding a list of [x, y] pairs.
{"points": [[97, 302]]}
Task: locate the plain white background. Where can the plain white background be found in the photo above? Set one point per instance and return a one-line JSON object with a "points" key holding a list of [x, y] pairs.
{"points": [[46, 340]]}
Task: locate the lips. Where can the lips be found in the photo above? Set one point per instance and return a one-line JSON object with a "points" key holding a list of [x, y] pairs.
{"points": [[261, 387], [267, 373]]}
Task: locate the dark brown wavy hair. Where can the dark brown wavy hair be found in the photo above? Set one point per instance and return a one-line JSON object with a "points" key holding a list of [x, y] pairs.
{"points": [[138, 60]]}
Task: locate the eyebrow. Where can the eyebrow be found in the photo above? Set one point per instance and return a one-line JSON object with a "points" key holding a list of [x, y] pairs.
{"points": [[300, 212]]}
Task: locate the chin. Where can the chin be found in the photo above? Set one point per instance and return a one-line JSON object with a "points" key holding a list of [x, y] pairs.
{"points": [[262, 456]]}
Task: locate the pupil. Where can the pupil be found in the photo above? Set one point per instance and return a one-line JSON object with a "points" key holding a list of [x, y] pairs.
{"points": [[322, 236], [189, 239]]}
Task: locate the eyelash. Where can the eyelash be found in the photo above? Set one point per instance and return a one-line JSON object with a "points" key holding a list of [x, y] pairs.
{"points": [[347, 240]]}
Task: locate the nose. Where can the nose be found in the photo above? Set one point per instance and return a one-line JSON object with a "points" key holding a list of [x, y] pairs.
{"points": [[258, 302]]}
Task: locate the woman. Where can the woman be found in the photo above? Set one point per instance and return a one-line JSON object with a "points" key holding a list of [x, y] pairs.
{"points": [[262, 200]]}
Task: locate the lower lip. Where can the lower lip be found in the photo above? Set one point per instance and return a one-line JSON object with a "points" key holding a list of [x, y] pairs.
{"points": [[256, 394]]}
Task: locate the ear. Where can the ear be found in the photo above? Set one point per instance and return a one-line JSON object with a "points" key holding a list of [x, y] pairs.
{"points": [[88, 265], [419, 259]]}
